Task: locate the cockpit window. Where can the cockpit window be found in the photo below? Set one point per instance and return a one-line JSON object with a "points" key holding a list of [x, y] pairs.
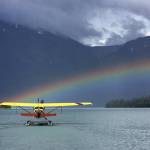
{"points": [[39, 108]]}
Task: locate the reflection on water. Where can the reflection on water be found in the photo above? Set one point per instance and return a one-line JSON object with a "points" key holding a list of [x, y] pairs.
{"points": [[91, 129]]}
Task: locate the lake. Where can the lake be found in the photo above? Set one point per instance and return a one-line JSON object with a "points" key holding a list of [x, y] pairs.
{"points": [[79, 129]]}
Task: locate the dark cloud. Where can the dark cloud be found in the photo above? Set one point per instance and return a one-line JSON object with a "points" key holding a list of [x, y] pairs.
{"points": [[93, 22]]}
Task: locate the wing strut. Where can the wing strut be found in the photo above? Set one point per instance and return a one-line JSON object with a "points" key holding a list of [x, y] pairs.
{"points": [[24, 109], [52, 110]]}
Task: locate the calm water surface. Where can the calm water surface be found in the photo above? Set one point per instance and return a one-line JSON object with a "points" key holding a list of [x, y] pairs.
{"points": [[88, 129]]}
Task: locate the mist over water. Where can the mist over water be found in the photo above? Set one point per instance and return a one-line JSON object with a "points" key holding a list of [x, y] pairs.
{"points": [[75, 129]]}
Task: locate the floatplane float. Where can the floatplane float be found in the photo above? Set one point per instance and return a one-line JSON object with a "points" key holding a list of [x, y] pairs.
{"points": [[38, 110]]}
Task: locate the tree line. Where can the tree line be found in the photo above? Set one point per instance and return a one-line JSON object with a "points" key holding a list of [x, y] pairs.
{"points": [[133, 103]]}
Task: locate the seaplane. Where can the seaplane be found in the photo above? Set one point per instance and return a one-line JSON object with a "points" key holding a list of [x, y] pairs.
{"points": [[39, 110]]}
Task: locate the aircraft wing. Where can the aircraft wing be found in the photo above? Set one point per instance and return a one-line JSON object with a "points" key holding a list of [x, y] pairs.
{"points": [[67, 104]]}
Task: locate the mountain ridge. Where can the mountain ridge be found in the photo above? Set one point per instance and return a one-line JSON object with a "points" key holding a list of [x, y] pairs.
{"points": [[30, 58]]}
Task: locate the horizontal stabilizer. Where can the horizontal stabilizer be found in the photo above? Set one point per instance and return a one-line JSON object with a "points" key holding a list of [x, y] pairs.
{"points": [[35, 115]]}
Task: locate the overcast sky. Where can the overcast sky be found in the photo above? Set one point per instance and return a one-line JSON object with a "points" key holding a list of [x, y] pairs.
{"points": [[92, 22]]}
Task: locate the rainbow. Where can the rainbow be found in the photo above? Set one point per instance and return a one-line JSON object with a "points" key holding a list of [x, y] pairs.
{"points": [[85, 79]]}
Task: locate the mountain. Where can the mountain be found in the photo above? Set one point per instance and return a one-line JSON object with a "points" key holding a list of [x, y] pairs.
{"points": [[133, 50], [29, 58]]}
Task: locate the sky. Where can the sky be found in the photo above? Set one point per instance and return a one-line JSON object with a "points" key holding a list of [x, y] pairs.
{"points": [[91, 22]]}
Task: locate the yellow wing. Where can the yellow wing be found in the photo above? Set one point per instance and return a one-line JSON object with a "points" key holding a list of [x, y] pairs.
{"points": [[21, 104]]}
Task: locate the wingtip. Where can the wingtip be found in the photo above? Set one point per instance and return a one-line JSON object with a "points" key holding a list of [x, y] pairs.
{"points": [[87, 103]]}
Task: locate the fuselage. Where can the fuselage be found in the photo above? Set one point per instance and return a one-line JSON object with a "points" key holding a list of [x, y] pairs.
{"points": [[39, 112]]}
